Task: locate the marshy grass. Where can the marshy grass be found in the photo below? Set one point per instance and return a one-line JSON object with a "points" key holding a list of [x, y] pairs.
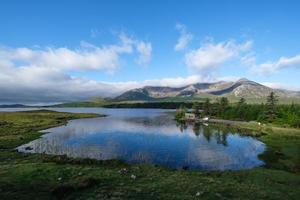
{"points": [[32, 176]]}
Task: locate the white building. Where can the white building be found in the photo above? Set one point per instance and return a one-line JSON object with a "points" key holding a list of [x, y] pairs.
{"points": [[190, 116]]}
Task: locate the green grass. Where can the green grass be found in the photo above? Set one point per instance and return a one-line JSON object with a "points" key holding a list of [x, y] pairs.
{"points": [[20, 127], [39, 176]]}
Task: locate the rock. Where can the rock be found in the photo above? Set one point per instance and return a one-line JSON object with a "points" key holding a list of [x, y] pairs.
{"points": [[219, 195], [211, 180], [200, 193], [133, 176], [123, 170], [28, 148]]}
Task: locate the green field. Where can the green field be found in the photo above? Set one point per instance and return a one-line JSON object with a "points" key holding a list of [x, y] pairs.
{"points": [[39, 176]]}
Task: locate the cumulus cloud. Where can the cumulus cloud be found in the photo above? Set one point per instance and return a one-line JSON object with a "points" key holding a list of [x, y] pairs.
{"points": [[86, 57], [168, 81], [145, 50], [83, 58], [183, 39], [279, 85], [42, 74], [281, 63], [37, 85], [211, 55], [44, 85], [249, 59]]}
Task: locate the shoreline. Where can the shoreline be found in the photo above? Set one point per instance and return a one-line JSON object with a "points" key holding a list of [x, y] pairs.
{"points": [[62, 177]]}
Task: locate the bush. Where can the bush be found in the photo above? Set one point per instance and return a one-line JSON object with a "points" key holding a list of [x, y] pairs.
{"points": [[296, 123], [180, 113]]}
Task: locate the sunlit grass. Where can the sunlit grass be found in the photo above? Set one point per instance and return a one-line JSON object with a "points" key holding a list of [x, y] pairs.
{"points": [[28, 176]]}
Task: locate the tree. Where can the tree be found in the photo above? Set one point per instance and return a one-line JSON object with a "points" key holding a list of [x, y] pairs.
{"points": [[196, 109], [271, 113], [241, 102], [241, 109], [196, 129], [207, 107], [293, 108], [180, 113], [223, 104]]}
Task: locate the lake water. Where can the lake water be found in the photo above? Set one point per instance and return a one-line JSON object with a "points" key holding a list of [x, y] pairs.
{"points": [[149, 136]]}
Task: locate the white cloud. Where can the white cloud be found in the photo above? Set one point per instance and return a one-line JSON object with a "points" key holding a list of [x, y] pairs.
{"points": [[95, 58], [44, 85], [278, 85], [183, 39], [36, 84], [249, 59], [145, 50], [281, 63], [177, 81], [211, 55], [86, 57], [41, 74]]}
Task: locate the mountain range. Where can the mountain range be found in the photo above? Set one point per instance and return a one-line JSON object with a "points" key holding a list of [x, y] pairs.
{"points": [[242, 88], [252, 91]]}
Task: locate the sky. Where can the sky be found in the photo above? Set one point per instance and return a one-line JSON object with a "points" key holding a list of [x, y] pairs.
{"points": [[58, 51]]}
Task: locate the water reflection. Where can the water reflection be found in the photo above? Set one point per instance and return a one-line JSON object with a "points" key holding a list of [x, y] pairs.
{"points": [[150, 136]]}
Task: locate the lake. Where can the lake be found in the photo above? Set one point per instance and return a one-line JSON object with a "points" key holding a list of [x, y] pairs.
{"points": [[148, 136]]}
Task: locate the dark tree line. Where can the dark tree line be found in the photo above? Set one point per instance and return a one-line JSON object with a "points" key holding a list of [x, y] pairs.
{"points": [[270, 112]]}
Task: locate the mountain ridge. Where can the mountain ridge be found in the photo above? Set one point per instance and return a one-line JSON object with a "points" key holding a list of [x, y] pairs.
{"points": [[241, 88]]}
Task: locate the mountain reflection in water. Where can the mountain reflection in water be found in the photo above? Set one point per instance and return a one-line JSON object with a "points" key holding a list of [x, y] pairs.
{"points": [[150, 136]]}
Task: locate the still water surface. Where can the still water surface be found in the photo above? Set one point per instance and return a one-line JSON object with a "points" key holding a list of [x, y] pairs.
{"points": [[149, 136]]}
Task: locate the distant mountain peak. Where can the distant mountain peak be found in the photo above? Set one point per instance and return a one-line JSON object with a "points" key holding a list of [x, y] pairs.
{"points": [[241, 80], [241, 88]]}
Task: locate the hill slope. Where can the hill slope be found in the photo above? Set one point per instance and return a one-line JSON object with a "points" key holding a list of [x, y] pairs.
{"points": [[241, 88]]}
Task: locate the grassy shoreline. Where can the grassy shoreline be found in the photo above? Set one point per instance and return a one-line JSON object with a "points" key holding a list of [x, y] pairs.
{"points": [[32, 176], [283, 144]]}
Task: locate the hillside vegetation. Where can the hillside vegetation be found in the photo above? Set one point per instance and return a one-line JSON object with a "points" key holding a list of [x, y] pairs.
{"points": [[269, 112]]}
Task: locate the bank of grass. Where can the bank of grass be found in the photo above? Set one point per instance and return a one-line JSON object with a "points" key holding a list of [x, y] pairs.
{"points": [[17, 128], [38, 176], [283, 144]]}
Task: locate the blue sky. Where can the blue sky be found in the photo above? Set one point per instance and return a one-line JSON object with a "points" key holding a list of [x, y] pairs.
{"points": [[105, 43]]}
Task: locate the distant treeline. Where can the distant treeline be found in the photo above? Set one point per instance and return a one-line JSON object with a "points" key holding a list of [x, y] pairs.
{"points": [[288, 115], [270, 112], [14, 106]]}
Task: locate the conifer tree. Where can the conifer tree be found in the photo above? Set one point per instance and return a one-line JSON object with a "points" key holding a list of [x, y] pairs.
{"points": [[196, 109], [271, 113], [207, 107]]}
